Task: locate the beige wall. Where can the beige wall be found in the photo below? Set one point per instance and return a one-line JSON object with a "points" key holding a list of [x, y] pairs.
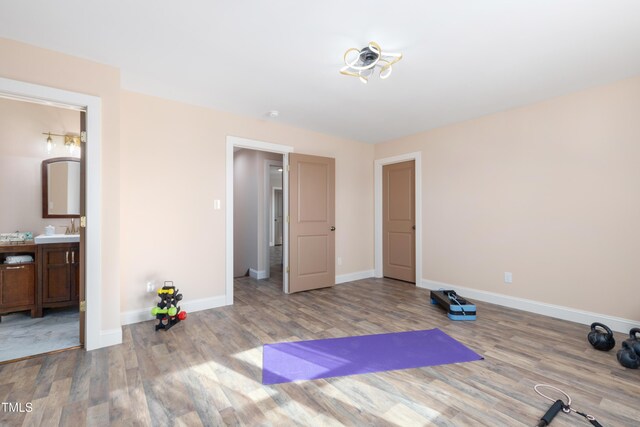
{"points": [[44, 67], [160, 177], [22, 150], [173, 168], [548, 192]]}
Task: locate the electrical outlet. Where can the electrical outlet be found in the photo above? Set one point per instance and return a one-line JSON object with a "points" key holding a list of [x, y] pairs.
{"points": [[339, 260], [508, 277], [150, 287]]}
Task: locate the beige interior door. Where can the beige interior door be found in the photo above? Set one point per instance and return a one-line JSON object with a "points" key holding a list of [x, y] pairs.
{"points": [[311, 222], [398, 221], [83, 213]]}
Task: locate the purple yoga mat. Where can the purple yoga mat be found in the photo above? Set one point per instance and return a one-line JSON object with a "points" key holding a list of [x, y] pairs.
{"points": [[335, 357]]}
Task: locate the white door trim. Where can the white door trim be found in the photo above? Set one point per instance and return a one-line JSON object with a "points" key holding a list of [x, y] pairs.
{"points": [[267, 203], [378, 164], [272, 241], [93, 106], [232, 142]]}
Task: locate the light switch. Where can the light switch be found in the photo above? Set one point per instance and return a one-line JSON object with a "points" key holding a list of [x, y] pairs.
{"points": [[216, 204]]}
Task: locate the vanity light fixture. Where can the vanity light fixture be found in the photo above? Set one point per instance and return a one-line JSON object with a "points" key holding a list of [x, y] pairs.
{"points": [[50, 143], [70, 141], [362, 63]]}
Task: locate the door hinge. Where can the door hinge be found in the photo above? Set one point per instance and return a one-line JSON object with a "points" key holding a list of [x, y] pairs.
{"points": [[83, 221], [287, 219], [287, 269], [83, 136], [83, 306], [287, 168]]}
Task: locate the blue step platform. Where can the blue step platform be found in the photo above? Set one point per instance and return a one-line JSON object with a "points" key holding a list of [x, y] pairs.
{"points": [[456, 307]]}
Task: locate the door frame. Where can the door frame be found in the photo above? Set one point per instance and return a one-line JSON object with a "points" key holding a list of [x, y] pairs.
{"points": [[272, 220], [268, 202], [46, 95], [378, 164], [251, 144]]}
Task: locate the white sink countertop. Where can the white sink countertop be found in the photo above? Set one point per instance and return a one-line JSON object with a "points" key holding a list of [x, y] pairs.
{"points": [[57, 238]]}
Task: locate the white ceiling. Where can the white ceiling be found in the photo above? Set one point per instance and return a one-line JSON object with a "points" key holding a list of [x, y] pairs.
{"points": [[462, 58]]}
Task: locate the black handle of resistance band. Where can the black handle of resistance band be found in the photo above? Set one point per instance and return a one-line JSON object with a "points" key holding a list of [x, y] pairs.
{"points": [[551, 413]]}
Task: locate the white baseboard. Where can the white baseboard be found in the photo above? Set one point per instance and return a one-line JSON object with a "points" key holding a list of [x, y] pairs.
{"points": [[560, 312], [258, 274], [110, 337], [351, 277], [136, 316]]}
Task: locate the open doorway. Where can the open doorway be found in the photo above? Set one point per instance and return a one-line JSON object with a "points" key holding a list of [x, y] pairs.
{"points": [[91, 234], [234, 145], [310, 226], [257, 215], [41, 174]]}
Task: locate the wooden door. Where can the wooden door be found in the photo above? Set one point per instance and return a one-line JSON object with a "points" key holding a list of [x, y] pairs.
{"points": [[398, 226], [311, 222], [81, 262]]}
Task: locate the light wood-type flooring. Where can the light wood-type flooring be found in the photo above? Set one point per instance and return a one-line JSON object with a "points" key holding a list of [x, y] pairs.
{"points": [[207, 369]]}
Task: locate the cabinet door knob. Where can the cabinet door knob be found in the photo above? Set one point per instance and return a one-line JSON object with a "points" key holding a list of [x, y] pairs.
{"points": [[67, 257], [15, 268]]}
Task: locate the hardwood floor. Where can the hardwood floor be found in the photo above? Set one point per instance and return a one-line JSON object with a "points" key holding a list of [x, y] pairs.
{"points": [[207, 369]]}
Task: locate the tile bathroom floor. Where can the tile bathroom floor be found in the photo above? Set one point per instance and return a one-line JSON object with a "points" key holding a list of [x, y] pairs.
{"points": [[23, 336]]}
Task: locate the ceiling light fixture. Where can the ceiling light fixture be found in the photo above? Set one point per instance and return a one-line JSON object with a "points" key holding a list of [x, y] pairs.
{"points": [[70, 141], [362, 63]]}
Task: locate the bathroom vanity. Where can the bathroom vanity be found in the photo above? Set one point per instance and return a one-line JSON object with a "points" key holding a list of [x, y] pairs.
{"points": [[58, 274], [18, 281], [45, 272], [51, 280]]}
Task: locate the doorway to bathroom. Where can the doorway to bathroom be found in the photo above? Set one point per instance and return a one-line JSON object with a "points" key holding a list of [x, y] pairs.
{"points": [[42, 174]]}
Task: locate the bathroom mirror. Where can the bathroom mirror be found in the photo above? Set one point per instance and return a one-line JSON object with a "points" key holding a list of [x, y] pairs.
{"points": [[61, 187]]}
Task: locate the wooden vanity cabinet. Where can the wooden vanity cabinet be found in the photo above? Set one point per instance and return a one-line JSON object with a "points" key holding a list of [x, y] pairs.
{"points": [[59, 274], [18, 281]]}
